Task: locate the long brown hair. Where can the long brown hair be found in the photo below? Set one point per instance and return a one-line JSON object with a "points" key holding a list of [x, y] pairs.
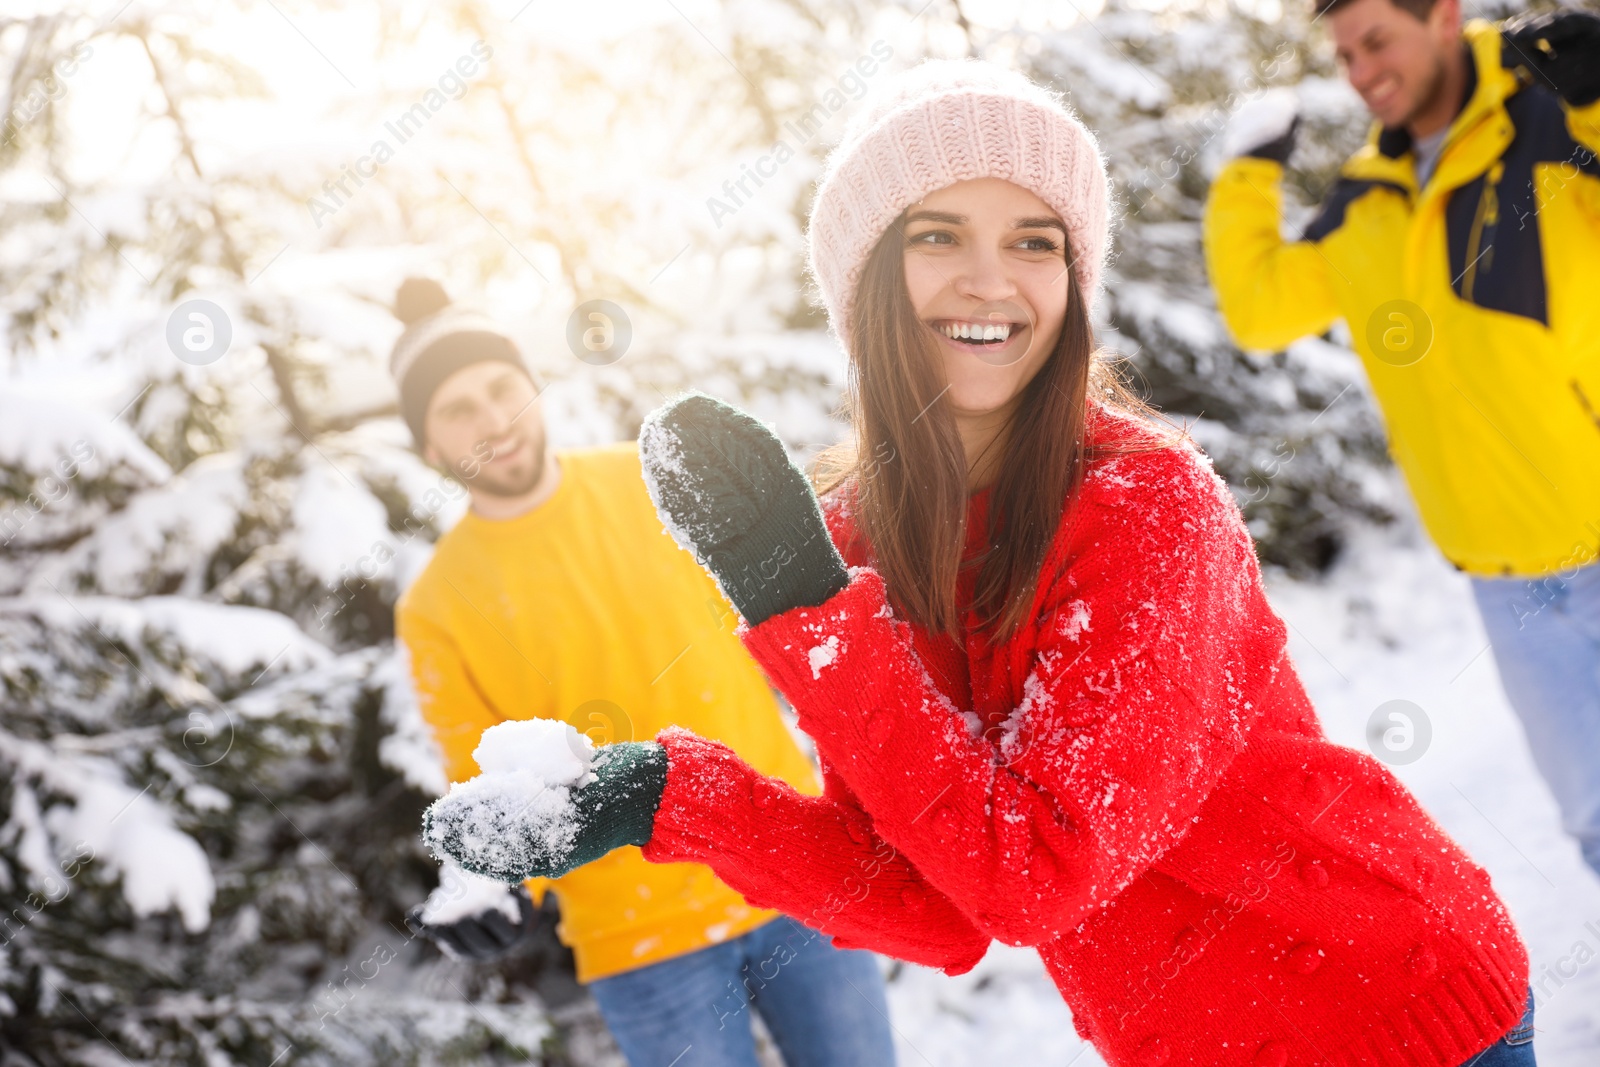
{"points": [[909, 471]]}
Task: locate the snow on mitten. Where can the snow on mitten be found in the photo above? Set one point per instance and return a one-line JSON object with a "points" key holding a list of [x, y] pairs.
{"points": [[726, 490], [516, 824]]}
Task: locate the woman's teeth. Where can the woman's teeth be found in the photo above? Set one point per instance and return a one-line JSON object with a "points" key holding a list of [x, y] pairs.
{"points": [[989, 333]]}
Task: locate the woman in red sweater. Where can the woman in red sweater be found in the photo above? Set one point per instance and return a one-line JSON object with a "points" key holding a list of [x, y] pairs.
{"points": [[1028, 635]]}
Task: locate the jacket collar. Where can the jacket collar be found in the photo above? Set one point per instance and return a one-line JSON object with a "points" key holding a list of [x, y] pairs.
{"points": [[1386, 157]]}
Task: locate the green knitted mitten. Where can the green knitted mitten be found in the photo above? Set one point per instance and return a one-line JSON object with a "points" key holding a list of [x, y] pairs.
{"points": [[726, 490], [498, 827]]}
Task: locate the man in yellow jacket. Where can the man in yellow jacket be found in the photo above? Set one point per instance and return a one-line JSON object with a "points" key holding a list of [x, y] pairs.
{"points": [[1461, 245], [559, 596]]}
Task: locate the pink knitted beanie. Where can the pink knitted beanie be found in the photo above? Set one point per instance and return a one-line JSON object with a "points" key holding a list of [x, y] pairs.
{"points": [[938, 123]]}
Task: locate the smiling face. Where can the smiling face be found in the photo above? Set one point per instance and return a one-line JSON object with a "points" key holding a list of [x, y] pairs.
{"points": [[1398, 60], [986, 271], [484, 427]]}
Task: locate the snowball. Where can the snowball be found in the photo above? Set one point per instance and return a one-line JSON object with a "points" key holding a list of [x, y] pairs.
{"points": [[518, 815], [1259, 121], [548, 749], [462, 894]]}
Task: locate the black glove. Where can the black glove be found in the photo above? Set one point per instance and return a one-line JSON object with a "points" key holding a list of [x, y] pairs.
{"points": [[726, 490], [1264, 127], [504, 835], [480, 938], [1562, 48], [1279, 148]]}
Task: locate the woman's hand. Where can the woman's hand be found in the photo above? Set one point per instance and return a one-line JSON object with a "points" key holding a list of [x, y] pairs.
{"points": [[727, 492], [510, 827]]}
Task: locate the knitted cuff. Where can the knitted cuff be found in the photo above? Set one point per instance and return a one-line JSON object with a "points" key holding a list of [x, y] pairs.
{"points": [[619, 807]]}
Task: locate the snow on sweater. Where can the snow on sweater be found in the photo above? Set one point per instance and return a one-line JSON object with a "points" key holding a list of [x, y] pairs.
{"points": [[1135, 783]]}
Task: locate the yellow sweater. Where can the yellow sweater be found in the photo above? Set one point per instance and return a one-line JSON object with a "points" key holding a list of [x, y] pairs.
{"points": [[584, 610]]}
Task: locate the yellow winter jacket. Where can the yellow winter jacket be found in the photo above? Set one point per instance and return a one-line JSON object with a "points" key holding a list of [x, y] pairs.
{"points": [[585, 610], [1474, 304]]}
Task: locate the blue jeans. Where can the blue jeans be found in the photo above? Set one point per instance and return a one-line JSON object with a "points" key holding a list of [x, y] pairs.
{"points": [[1546, 638], [1513, 1050], [824, 1006]]}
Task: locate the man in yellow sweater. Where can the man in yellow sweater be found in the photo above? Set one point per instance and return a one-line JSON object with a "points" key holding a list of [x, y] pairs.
{"points": [[559, 596]]}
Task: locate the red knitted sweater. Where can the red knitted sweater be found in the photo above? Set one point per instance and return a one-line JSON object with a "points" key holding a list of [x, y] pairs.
{"points": [[1135, 784]]}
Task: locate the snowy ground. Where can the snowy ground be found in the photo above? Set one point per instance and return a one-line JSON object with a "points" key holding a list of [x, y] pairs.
{"points": [[1394, 622]]}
